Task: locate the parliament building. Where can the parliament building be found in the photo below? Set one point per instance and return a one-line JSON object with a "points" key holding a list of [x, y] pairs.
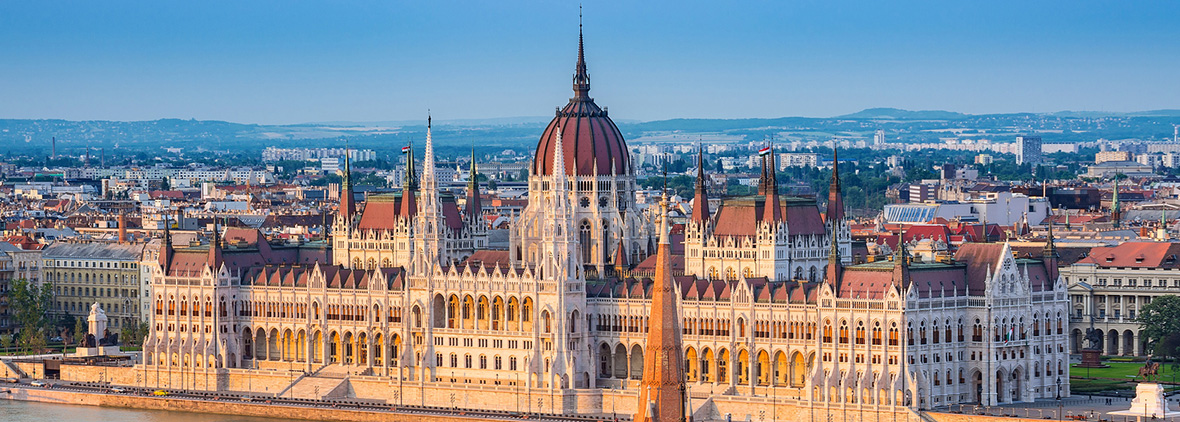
{"points": [[770, 313]]}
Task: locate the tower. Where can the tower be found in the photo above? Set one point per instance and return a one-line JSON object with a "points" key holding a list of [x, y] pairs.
{"points": [[428, 222], [1116, 209], [347, 199], [662, 391], [700, 202]]}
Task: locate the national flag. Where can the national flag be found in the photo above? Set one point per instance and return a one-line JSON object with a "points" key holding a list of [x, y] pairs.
{"points": [[405, 149], [764, 151]]}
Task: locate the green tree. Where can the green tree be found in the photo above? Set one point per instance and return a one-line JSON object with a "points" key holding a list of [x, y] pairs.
{"points": [[1160, 320], [30, 308], [79, 330]]}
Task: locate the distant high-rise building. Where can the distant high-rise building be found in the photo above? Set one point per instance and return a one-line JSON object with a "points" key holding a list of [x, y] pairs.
{"points": [[1028, 150], [879, 137]]}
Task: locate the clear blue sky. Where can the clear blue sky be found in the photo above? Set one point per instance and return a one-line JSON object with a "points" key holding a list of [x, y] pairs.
{"points": [[301, 61]]}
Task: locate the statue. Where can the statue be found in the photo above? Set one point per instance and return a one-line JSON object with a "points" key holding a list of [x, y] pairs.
{"points": [[1149, 371], [1094, 337]]}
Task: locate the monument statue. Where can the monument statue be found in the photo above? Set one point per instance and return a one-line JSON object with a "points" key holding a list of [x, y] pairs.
{"points": [[1094, 337], [1149, 370]]}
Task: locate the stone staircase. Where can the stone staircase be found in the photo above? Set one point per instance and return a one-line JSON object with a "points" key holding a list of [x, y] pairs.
{"points": [[12, 370], [317, 388], [329, 381]]}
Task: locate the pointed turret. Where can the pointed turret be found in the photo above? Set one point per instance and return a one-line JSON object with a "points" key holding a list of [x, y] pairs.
{"points": [[1049, 255], [772, 211], [835, 270], [662, 391], [215, 258], [901, 264], [700, 202], [1116, 209], [347, 199], [835, 212], [474, 204], [409, 204], [581, 75], [621, 263], [166, 247]]}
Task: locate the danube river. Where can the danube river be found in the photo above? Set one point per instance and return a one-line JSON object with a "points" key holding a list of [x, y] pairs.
{"points": [[23, 411]]}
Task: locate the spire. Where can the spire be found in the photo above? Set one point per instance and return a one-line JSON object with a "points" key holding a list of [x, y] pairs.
{"points": [[1050, 248], [700, 202], [558, 155], [347, 199], [1116, 208], [772, 211], [661, 393], [474, 204], [581, 75], [901, 265], [409, 204], [835, 212], [166, 246], [215, 258], [835, 268], [621, 263]]}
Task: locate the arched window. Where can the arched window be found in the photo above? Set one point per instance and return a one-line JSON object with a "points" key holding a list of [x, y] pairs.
{"points": [[584, 238]]}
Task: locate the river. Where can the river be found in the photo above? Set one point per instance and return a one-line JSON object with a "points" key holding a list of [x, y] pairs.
{"points": [[23, 411]]}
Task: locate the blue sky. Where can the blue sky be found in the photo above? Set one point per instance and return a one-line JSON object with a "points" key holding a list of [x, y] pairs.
{"points": [[303, 61]]}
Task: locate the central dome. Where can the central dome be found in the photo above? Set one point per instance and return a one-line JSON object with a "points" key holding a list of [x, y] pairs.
{"points": [[592, 142]]}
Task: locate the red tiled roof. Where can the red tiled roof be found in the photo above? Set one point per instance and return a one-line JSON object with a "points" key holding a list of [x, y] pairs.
{"points": [[1136, 255], [489, 259], [379, 214], [741, 218]]}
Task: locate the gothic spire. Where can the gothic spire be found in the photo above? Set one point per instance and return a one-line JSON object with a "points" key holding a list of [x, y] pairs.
{"points": [[474, 204], [901, 265], [1116, 208], [166, 247], [581, 75], [409, 204], [347, 199], [835, 212], [661, 393], [700, 202], [772, 211], [215, 257]]}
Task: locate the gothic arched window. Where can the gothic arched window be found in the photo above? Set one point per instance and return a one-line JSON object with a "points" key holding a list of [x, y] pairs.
{"points": [[584, 240]]}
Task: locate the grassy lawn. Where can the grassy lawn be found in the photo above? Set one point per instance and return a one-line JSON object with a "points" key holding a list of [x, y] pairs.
{"points": [[1121, 370]]}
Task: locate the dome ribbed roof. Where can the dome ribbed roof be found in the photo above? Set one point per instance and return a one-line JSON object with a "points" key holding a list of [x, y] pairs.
{"points": [[589, 136]]}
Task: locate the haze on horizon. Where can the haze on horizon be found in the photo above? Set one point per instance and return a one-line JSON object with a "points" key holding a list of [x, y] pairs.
{"points": [[280, 62]]}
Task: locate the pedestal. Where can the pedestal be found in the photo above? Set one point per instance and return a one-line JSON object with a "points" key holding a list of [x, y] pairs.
{"points": [[1092, 359], [97, 351], [1148, 404]]}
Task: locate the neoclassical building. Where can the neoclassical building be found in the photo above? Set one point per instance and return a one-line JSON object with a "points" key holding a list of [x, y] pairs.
{"points": [[768, 304]]}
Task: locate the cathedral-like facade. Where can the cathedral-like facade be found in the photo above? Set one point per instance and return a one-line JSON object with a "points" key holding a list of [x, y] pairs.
{"points": [[767, 300]]}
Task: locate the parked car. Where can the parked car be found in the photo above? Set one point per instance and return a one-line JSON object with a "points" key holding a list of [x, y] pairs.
{"points": [[118, 390], [159, 393], [55, 339]]}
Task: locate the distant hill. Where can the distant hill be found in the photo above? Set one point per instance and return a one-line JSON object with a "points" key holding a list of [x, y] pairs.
{"points": [[884, 113]]}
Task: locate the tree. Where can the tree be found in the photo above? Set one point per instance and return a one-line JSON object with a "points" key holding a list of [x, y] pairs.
{"points": [[80, 330], [133, 334], [1159, 320], [30, 307]]}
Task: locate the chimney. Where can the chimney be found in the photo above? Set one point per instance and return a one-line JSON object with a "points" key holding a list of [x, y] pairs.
{"points": [[122, 228]]}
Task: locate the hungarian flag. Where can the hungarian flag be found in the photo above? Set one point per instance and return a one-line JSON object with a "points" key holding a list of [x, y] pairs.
{"points": [[405, 149], [764, 151]]}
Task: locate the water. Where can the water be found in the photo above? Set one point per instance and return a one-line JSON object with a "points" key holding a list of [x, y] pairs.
{"points": [[23, 411]]}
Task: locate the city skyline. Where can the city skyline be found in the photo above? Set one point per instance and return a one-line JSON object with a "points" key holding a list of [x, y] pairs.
{"points": [[262, 63]]}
